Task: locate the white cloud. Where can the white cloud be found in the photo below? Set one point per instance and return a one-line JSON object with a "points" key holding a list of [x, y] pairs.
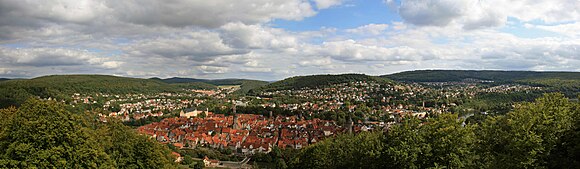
{"points": [[322, 4], [432, 12], [196, 45], [176, 13], [212, 69], [399, 26], [316, 62], [370, 29], [256, 69], [476, 14], [570, 29], [350, 50], [256, 36], [48, 57], [112, 64]]}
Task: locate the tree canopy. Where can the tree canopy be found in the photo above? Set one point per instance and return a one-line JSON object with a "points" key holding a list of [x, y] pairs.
{"points": [[540, 134], [43, 134]]}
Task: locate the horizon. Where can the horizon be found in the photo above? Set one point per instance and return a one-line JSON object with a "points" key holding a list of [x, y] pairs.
{"points": [[274, 80], [277, 39]]}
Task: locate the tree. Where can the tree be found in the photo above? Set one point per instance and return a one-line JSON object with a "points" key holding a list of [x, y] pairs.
{"points": [[526, 137], [45, 135], [437, 142], [131, 150], [345, 151]]}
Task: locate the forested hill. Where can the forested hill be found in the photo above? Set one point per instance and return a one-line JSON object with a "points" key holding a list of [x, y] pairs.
{"points": [[314, 81], [14, 92], [245, 84], [3, 79], [461, 75], [218, 82]]}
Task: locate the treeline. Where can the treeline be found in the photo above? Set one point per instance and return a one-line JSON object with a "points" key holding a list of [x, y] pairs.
{"points": [[494, 103], [245, 84], [461, 75], [314, 81], [15, 92], [43, 134], [540, 134], [195, 85]]}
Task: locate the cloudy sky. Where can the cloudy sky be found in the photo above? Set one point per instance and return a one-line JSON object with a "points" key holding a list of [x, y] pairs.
{"points": [[275, 39]]}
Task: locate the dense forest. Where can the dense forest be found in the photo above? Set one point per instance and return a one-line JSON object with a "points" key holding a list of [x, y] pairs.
{"points": [[245, 84], [314, 81], [540, 134], [563, 82], [15, 92], [461, 75], [217, 82], [44, 134]]}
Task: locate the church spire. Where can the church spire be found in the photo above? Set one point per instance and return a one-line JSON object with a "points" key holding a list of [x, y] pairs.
{"points": [[235, 126]]}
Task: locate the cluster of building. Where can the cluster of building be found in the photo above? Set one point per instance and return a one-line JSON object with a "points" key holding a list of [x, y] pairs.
{"points": [[356, 91], [510, 88], [243, 133]]}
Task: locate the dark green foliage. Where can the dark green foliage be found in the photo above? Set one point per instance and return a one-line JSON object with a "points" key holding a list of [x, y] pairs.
{"points": [[567, 83], [217, 82], [245, 85], [461, 75], [14, 92], [526, 137], [437, 142], [131, 150], [195, 85], [248, 85], [43, 134], [315, 81], [566, 154], [345, 151], [541, 134], [495, 103]]}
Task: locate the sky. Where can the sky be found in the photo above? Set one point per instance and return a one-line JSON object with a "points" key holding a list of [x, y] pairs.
{"points": [[276, 39]]}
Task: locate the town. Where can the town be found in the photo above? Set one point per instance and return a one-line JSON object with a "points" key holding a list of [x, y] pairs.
{"points": [[283, 119]]}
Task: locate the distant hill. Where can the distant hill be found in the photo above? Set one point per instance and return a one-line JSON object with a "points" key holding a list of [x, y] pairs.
{"points": [[14, 92], [245, 84], [460, 75], [4, 79], [218, 82], [195, 85], [314, 81], [563, 82]]}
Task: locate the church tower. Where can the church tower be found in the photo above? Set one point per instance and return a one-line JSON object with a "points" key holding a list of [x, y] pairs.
{"points": [[349, 124], [235, 126]]}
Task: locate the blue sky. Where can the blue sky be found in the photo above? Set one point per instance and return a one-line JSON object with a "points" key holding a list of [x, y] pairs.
{"points": [[352, 14], [276, 39]]}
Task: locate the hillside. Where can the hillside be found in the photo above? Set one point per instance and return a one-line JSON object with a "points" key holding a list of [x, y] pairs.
{"points": [[195, 85], [217, 82], [4, 79], [314, 81], [563, 82], [245, 84], [14, 92], [460, 75]]}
